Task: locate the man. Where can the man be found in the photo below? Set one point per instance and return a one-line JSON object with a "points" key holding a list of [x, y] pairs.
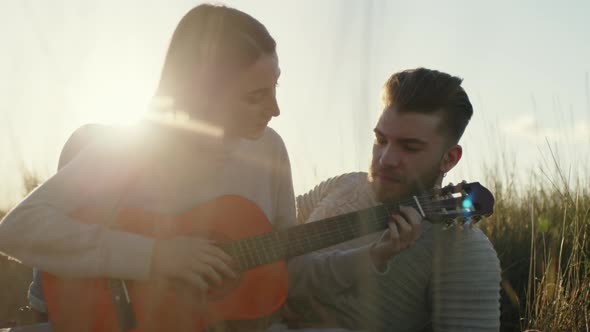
{"points": [[448, 280]]}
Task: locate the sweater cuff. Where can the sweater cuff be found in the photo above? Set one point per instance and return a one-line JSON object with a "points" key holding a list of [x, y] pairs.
{"points": [[380, 273], [127, 255]]}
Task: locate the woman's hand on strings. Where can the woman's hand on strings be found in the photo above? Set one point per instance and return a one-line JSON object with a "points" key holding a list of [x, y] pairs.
{"points": [[195, 261]]}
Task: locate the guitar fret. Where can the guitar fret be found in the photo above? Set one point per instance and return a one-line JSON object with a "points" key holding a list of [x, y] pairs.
{"points": [[259, 247], [269, 248], [307, 241], [280, 245], [255, 258], [241, 255], [343, 229], [253, 252], [237, 255], [318, 236], [274, 248], [304, 239], [375, 218], [249, 258], [265, 248], [340, 233], [325, 229], [304, 242], [258, 251]]}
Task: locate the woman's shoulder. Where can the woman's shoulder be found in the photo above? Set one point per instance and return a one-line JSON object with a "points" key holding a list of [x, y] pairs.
{"points": [[111, 139], [272, 138], [270, 147]]}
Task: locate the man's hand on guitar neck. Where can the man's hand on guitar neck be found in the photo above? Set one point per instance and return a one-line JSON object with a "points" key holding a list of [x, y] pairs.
{"points": [[192, 260], [404, 229]]}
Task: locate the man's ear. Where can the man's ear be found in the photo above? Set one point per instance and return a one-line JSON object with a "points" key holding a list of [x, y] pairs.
{"points": [[451, 158]]}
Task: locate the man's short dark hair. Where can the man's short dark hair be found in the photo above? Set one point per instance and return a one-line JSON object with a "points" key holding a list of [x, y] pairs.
{"points": [[429, 91]]}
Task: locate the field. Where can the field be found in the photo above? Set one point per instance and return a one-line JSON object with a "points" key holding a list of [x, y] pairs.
{"points": [[541, 234]]}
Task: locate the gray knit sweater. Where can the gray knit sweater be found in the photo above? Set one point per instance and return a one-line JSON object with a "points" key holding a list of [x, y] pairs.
{"points": [[448, 281]]}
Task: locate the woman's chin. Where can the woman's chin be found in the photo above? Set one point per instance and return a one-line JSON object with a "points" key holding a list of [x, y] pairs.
{"points": [[253, 134]]}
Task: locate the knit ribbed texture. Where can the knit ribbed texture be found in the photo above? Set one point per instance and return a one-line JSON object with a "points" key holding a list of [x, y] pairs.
{"points": [[448, 281]]}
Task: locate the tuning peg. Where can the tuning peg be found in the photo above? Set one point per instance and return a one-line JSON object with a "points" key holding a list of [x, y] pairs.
{"points": [[447, 188], [436, 192], [464, 188]]}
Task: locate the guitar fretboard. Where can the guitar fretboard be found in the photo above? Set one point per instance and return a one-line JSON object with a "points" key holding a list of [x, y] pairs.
{"points": [[278, 245]]}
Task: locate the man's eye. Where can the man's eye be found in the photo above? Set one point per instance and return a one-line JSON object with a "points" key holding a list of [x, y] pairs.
{"points": [[411, 148]]}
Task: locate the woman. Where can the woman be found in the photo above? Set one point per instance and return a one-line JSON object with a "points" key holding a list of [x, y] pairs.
{"points": [[208, 138]]}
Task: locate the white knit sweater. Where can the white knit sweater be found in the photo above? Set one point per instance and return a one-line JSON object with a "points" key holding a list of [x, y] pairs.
{"points": [[448, 281], [145, 169]]}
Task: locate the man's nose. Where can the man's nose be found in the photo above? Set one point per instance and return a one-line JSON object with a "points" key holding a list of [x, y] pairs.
{"points": [[390, 157]]}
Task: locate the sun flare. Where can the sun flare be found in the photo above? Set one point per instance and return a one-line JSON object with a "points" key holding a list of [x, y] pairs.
{"points": [[112, 93]]}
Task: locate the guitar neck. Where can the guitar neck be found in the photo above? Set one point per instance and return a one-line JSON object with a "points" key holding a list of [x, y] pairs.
{"points": [[295, 241]]}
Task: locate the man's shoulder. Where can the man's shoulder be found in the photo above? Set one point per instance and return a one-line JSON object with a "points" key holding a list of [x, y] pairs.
{"points": [[343, 185], [337, 195], [467, 243], [347, 181]]}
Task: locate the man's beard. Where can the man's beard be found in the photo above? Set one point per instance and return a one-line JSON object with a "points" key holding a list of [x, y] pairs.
{"points": [[407, 188]]}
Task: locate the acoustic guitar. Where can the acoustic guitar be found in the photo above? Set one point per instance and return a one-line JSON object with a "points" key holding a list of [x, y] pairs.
{"points": [[260, 253]]}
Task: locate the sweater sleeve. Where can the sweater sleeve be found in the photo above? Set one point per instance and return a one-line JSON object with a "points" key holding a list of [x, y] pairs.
{"points": [[326, 274], [41, 232], [465, 284], [336, 269], [307, 204]]}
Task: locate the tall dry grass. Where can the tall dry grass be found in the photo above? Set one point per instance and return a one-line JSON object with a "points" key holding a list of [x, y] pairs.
{"points": [[15, 277], [541, 233]]}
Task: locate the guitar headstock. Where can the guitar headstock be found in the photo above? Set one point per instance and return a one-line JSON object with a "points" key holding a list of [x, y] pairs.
{"points": [[462, 203]]}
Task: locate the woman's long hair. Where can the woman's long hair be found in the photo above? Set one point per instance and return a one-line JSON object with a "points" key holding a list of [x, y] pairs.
{"points": [[210, 44]]}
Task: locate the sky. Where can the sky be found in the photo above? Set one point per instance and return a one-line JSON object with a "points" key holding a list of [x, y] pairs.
{"points": [[525, 66]]}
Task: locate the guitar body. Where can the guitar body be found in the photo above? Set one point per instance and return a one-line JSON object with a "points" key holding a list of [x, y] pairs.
{"points": [[85, 304]]}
